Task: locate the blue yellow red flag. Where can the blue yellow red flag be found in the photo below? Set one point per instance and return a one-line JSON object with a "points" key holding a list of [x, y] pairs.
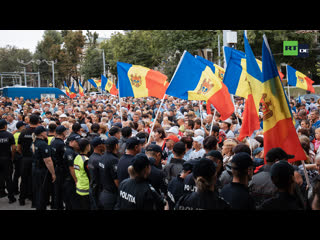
{"points": [[278, 127], [67, 89], [194, 80], [81, 91], [299, 80], [72, 91], [253, 79], [95, 83], [138, 81]]}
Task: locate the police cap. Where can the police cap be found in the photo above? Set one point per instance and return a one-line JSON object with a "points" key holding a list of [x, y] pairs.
{"points": [[38, 130]]}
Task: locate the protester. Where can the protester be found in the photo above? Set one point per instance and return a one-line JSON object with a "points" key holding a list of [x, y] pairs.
{"points": [[176, 142]]}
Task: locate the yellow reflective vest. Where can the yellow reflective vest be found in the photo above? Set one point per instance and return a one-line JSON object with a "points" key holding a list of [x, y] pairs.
{"points": [[82, 187]]}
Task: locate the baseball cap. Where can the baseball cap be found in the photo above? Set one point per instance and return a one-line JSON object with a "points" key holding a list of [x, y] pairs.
{"points": [[155, 148], [241, 160], [20, 124], [179, 147], [173, 130], [74, 137], [216, 154], [173, 138], [133, 141], [257, 151], [112, 141], [277, 154], [198, 139], [60, 129], [204, 168], [140, 161], [85, 127], [280, 173], [97, 141], [187, 166], [38, 130], [63, 115], [3, 123]]}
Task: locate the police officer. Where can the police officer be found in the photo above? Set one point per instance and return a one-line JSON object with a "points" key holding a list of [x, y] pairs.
{"points": [[98, 145], [136, 192], [176, 185], [69, 177], [82, 174], [43, 167], [205, 197], [108, 174], [57, 151], [24, 148], [157, 176], [17, 157], [8, 148]]}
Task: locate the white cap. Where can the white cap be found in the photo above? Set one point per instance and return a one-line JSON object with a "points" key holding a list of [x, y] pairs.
{"points": [[199, 132], [198, 139], [63, 115], [228, 120], [173, 130]]}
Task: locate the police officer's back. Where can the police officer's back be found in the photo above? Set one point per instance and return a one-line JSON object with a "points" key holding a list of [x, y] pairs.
{"points": [[136, 192], [205, 197], [57, 151], [157, 177], [43, 167], [108, 174], [98, 145], [7, 146]]}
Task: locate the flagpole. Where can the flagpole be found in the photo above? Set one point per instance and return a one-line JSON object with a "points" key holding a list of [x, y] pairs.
{"points": [[120, 100], [163, 95], [214, 115], [200, 107]]}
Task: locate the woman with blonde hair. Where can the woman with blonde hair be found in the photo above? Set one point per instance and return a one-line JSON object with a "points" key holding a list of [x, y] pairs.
{"points": [[227, 152]]}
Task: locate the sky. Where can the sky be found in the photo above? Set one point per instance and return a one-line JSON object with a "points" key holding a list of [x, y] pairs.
{"points": [[28, 39]]}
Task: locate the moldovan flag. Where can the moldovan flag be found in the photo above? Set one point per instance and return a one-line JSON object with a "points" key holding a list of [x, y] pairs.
{"points": [[298, 79], [81, 92], [72, 91], [194, 80], [95, 83], [278, 127], [250, 121], [138, 81], [111, 88], [67, 89]]}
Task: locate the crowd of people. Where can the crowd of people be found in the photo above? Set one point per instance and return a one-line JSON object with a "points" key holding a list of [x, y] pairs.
{"points": [[96, 153]]}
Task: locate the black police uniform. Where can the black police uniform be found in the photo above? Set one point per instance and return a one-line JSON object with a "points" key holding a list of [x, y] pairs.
{"points": [[175, 190], [124, 163], [157, 178], [93, 166], [138, 194], [6, 165], [207, 200], [42, 175], [238, 196], [25, 140], [69, 186], [281, 201], [57, 152], [108, 173]]}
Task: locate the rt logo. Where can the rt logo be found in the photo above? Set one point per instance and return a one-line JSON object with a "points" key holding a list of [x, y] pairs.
{"points": [[292, 48]]}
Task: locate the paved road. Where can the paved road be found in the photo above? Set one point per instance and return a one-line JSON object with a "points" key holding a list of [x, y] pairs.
{"points": [[4, 204]]}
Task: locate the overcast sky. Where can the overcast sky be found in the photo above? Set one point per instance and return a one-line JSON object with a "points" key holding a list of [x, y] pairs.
{"points": [[29, 38]]}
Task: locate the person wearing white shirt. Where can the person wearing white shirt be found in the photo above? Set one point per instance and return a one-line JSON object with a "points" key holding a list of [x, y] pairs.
{"points": [[198, 151], [225, 126], [11, 123]]}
